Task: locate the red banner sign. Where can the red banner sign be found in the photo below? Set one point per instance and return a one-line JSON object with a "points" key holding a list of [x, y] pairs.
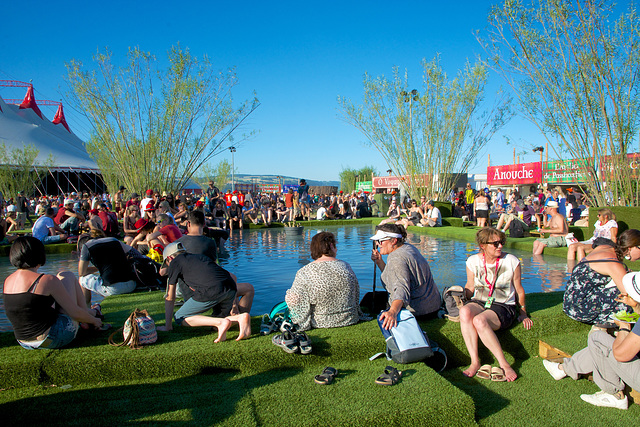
{"points": [[608, 164], [523, 173]]}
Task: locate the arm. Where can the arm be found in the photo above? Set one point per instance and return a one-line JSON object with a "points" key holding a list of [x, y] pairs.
{"points": [[555, 227], [614, 233], [84, 268], [54, 287], [377, 259], [627, 344], [390, 317], [517, 284], [169, 301], [469, 287]]}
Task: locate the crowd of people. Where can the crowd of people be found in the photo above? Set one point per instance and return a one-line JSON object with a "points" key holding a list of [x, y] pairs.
{"points": [[186, 235]]}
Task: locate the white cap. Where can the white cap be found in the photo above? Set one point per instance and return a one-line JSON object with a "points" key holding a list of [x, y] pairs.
{"points": [[631, 282], [384, 235], [172, 249]]}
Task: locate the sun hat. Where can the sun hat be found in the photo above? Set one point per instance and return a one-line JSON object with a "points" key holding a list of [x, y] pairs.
{"points": [[150, 207], [149, 192], [140, 224], [631, 283], [385, 235], [172, 249], [552, 204]]}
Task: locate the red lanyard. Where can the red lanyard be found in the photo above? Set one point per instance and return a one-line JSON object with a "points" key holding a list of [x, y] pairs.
{"points": [[495, 278]]}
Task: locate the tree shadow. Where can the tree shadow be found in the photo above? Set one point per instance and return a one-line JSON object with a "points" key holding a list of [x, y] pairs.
{"points": [[210, 397]]}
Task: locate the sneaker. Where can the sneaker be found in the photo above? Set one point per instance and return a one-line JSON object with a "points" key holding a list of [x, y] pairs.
{"points": [[554, 370], [605, 399]]}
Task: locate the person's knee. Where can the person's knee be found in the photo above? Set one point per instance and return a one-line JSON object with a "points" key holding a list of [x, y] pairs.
{"points": [[480, 323], [66, 276], [466, 315]]}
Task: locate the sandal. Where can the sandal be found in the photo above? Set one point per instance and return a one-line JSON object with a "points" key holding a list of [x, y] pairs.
{"points": [[497, 374], [484, 372], [303, 341], [286, 341], [98, 308], [327, 376], [391, 376]]}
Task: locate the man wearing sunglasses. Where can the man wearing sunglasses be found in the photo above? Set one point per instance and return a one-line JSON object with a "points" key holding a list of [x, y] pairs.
{"points": [[557, 229]]}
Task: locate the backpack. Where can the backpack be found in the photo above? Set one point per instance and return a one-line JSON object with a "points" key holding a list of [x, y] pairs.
{"points": [[452, 300], [406, 342], [516, 229], [138, 330]]}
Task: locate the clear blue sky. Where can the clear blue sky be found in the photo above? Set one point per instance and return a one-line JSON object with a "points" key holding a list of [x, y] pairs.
{"points": [[297, 55]]}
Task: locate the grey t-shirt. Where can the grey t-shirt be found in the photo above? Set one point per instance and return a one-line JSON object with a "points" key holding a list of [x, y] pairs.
{"points": [[407, 277]]}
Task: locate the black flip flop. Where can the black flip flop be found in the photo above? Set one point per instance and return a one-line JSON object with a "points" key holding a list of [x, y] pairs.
{"points": [[391, 376], [327, 376]]}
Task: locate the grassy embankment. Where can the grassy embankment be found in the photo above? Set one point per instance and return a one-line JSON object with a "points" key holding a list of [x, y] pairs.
{"points": [[187, 378]]}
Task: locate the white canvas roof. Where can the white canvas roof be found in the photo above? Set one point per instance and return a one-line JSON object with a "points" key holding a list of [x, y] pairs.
{"points": [[20, 127]]}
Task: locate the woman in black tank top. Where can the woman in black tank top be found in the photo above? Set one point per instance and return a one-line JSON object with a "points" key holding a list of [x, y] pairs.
{"points": [[43, 309]]}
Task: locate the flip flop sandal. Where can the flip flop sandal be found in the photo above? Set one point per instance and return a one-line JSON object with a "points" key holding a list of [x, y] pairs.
{"points": [[304, 342], [391, 376], [484, 372], [266, 326], [327, 376], [497, 374], [287, 342]]}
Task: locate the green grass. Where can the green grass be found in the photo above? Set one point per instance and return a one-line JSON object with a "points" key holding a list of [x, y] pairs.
{"points": [[185, 377]]}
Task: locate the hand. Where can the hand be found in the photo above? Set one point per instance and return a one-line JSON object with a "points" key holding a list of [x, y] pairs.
{"points": [[526, 321], [623, 298], [622, 324], [375, 255], [165, 328], [389, 319]]}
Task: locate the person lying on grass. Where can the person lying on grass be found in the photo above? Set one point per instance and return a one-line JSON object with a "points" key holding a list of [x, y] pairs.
{"points": [[493, 291], [205, 286], [44, 310], [613, 361]]}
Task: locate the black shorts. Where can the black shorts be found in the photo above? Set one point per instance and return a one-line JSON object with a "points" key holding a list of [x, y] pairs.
{"points": [[482, 213], [507, 314]]}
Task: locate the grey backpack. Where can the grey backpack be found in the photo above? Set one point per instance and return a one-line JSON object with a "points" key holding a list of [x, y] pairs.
{"points": [[452, 300]]}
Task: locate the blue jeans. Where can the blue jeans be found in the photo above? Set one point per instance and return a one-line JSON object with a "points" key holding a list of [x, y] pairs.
{"points": [[60, 334]]}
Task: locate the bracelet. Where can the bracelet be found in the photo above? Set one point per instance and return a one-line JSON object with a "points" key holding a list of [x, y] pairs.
{"points": [[625, 329]]}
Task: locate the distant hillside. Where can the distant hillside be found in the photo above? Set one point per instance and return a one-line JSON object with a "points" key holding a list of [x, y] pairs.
{"points": [[243, 178]]}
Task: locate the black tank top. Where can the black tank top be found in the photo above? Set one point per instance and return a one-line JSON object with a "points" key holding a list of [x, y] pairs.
{"points": [[30, 314]]}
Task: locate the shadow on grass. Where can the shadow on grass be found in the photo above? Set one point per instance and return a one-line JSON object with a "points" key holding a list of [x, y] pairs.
{"points": [[210, 397]]}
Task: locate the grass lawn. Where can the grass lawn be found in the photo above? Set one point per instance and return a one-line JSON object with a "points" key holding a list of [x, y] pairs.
{"points": [[186, 378]]}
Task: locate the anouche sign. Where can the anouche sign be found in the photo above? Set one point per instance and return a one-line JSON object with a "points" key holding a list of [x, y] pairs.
{"points": [[523, 173]]}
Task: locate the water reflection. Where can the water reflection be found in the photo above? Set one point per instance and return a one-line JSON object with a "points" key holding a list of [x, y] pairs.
{"points": [[270, 258]]}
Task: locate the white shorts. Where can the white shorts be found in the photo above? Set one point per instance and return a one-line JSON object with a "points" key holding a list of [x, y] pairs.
{"points": [[94, 283]]}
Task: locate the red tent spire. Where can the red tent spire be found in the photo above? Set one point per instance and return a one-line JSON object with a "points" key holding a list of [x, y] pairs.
{"points": [[59, 118], [30, 102]]}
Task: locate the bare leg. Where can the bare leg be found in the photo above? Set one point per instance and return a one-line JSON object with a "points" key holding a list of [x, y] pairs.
{"points": [[75, 291], [199, 320], [486, 323], [244, 323], [538, 247], [470, 335], [246, 292], [571, 251]]}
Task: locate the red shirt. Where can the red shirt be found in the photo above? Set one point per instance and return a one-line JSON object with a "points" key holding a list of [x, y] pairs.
{"points": [[228, 198], [288, 200], [171, 232], [62, 216], [240, 199]]}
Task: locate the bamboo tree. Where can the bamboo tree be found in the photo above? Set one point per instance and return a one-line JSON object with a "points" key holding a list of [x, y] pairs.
{"points": [[429, 135], [155, 128], [574, 67]]}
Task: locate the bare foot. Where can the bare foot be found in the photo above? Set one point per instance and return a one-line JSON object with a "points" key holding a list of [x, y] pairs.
{"points": [[244, 322], [223, 327], [471, 370], [509, 373]]}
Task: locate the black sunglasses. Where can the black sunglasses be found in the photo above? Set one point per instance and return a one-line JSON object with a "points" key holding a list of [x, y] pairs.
{"points": [[496, 243]]}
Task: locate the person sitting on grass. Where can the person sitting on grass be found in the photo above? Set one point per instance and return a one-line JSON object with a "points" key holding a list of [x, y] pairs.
{"points": [[433, 218], [325, 292], [44, 310], [558, 228], [406, 276], [207, 286], [613, 361], [46, 230], [605, 229], [393, 213], [249, 212], [165, 232], [495, 301], [589, 298], [235, 216]]}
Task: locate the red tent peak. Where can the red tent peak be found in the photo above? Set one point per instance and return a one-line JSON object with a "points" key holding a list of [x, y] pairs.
{"points": [[29, 101], [59, 118]]}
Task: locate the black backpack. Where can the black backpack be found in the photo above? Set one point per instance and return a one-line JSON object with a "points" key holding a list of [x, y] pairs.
{"points": [[516, 229]]}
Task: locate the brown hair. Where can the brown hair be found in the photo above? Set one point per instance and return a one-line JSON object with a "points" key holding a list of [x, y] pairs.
{"points": [[484, 235], [626, 241], [321, 244]]}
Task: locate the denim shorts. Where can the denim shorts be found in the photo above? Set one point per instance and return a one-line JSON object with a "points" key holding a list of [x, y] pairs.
{"points": [[221, 307], [94, 283], [60, 334]]}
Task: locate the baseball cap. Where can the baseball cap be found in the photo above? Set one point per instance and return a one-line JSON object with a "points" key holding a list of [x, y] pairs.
{"points": [[172, 249]]}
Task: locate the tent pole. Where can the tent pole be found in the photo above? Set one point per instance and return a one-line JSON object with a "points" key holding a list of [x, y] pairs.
{"points": [[55, 180]]}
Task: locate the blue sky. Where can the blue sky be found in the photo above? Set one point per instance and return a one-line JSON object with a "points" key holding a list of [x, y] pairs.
{"points": [[298, 57]]}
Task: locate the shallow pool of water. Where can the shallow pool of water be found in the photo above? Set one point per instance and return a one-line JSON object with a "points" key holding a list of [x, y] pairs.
{"points": [[269, 259]]}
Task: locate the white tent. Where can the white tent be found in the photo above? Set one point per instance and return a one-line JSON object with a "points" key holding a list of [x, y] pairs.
{"points": [[25, 126]]}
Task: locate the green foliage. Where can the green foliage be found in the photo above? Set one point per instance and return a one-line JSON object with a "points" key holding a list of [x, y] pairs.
{"points": [[218, 174], [19, 171], [349, 177], [574, 67], [425, 135], [152, 127]]}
